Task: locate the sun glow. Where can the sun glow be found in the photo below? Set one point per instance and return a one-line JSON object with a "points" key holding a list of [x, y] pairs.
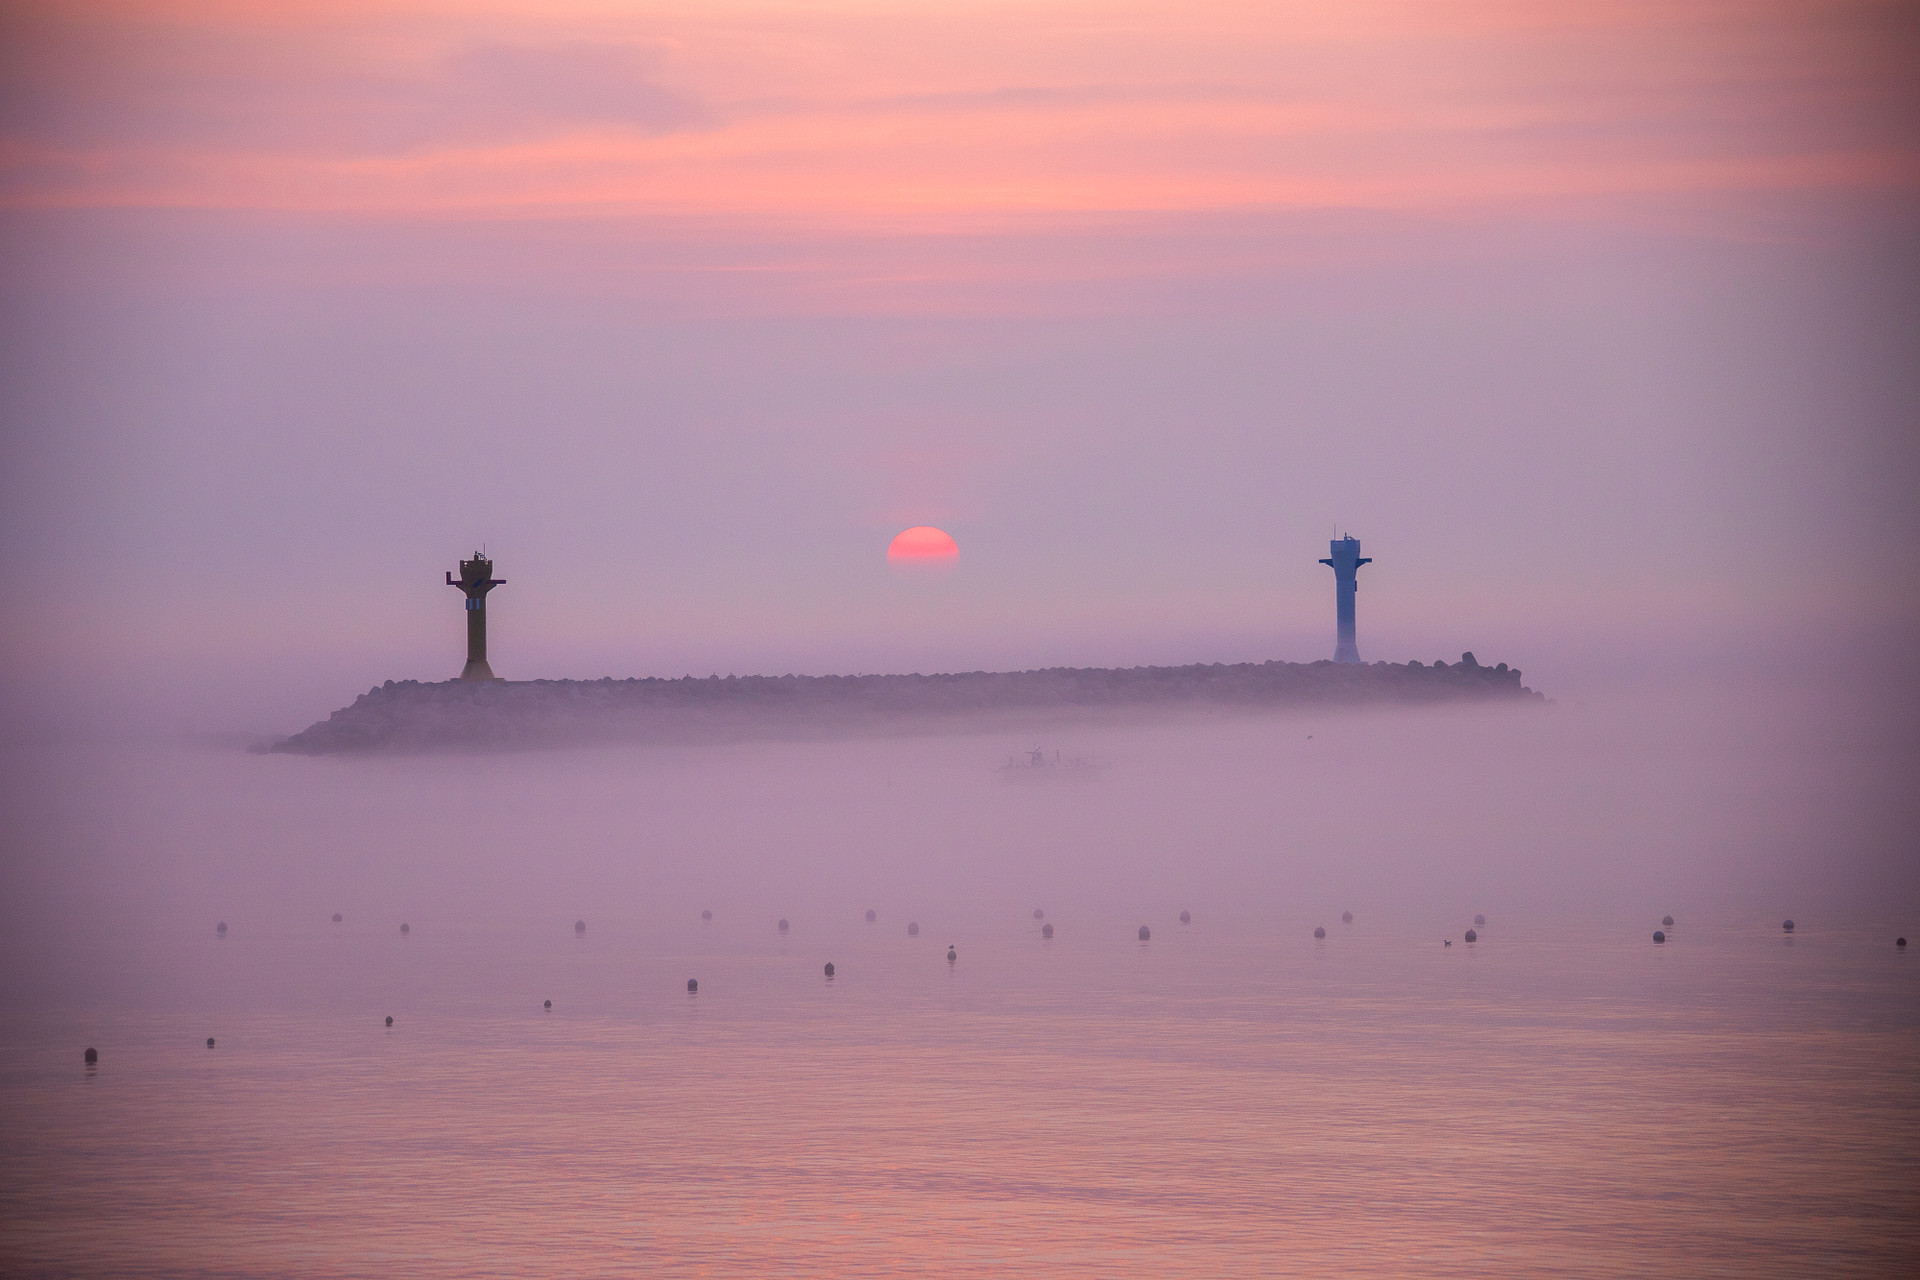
{"points": [[922, 548]]}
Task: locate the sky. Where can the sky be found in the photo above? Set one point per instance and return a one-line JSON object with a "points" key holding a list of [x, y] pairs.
{"points": [[1596, 323]]}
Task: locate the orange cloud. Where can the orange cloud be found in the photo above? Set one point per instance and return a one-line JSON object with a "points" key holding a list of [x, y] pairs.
{"points": [[946, 113]]}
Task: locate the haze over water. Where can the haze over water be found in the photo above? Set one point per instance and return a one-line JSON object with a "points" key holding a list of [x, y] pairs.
{"points": [[1230, 1098]]}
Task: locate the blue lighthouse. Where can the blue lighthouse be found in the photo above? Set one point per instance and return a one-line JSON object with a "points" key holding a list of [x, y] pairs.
{"points": [[1344, 559]]}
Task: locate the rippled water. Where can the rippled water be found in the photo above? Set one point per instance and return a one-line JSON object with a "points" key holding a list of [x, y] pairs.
{"points": [[1232, 1098], [1204, 1104]]}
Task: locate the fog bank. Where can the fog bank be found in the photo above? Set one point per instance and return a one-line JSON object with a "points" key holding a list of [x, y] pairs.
{"points": [[1739, 807]]}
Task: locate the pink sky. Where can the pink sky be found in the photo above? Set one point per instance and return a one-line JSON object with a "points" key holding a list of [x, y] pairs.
{"points": [[949, 114], [1595, 322]]}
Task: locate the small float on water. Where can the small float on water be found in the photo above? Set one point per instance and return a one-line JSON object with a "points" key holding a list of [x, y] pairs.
{"points": [[1039, 767]]}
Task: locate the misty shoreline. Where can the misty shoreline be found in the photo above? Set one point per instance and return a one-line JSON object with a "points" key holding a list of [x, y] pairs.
{"points": [[412, 716]]}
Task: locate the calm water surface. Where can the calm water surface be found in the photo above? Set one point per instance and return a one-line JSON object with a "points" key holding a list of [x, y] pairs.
{"points": [[1233, 1098], [1546, 1100]]}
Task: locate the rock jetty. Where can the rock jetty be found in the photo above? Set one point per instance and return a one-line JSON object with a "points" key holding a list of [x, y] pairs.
{"points": [[402, 716]]}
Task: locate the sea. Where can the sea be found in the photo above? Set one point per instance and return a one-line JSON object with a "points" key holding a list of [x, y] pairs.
{"points": [[1229, 1094]]}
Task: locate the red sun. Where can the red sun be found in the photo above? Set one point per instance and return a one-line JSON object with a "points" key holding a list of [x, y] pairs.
{"points": [[923, 547]]}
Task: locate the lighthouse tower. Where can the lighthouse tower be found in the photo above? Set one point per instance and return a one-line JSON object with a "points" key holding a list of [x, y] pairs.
{"points": [[476, 579], [1345, 560]]}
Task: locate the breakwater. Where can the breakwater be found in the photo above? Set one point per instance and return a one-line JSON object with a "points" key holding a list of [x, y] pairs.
{"points": [[409, 715]]}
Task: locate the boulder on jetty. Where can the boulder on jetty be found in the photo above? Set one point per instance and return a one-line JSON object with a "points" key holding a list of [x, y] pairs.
{"points": [[407, 715]]}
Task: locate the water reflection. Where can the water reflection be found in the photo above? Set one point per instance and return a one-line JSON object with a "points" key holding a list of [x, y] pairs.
{"points": [[1352, 1105]]}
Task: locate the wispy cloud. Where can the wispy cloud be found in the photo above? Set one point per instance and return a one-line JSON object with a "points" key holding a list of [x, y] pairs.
{"points": [[948, 110]]}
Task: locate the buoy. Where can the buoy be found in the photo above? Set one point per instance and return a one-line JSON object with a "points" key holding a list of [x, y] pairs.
{"points": [[783, 925], [93, 1056], [1186, 917], [1472, 936], [406, 928], [579, 926], [1899, 942], [1479, 922], [913, 930], [1667, 921], [209, 1042], [952, 955], [389, 1019], [829, 968], [706, 915], [1658, 936], [548, 1005], [336, 917], [872, 915], [1145, 933], [1787, 925], [1346, 917], [221, 928], [1046, 931], [693, 985], [1319, 931], [1038, 914]]}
